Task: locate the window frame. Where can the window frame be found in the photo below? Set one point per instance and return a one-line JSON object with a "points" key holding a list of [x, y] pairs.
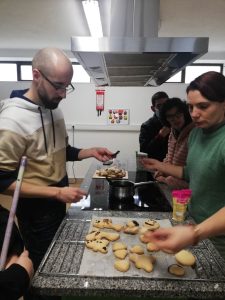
{"points": [[183, 72], [11, 62], [203, 64], [19, 64]]}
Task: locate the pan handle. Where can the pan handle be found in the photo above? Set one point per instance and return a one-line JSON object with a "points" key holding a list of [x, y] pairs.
{"points": [[137, 184]]}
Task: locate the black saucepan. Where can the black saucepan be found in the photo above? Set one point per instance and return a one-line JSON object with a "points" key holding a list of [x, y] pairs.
{"points": [[121, 189]]}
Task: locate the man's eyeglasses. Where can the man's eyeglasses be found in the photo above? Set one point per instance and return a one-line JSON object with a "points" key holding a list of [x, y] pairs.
{"points": [[172, 117], [69, 89]]}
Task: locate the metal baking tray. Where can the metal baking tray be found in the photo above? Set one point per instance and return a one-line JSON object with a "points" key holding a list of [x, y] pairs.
{"points": [[64, 257]]}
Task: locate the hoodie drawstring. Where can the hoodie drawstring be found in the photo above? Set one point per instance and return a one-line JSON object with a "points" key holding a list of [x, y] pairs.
{"points": [[53, 128], [43, 129]]}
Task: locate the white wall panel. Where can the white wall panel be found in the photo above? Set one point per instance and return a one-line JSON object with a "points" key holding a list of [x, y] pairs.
{"points": [[91, 130]]}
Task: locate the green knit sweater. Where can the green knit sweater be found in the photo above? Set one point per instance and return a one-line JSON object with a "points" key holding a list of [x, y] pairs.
{"points": [[205, 170]]}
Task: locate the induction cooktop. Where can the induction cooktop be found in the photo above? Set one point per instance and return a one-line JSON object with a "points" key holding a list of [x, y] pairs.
{"points": [[146, 198]]}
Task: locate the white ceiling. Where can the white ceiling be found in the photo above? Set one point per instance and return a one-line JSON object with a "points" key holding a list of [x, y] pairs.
{"points": [[28, 25]]}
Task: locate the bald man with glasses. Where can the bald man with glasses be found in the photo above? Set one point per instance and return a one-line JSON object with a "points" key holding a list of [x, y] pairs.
{"points": [[32, 125]]}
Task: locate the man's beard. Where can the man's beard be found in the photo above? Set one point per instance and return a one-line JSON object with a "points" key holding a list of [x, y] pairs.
{"points": [[49, 103]]}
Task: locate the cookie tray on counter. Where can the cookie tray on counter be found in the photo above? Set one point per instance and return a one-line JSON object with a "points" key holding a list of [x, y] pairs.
{"points": [[65, 254], [102, 265]]}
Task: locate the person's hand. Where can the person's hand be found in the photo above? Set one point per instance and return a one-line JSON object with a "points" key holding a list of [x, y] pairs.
{"points": [[161, 179], [70, 194], [164, 131], [151, 164], [172, 239], [24, 261], [101, 154]]}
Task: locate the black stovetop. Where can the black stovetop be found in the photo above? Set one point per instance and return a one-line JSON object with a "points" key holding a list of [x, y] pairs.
{"points": [[146, 198]]}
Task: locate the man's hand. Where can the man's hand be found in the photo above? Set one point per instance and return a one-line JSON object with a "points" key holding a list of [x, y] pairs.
{"points": [[101, 154], [70, 194]]}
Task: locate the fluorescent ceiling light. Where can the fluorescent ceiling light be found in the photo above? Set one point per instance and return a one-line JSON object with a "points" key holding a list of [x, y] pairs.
{"points": [[91, 10]]}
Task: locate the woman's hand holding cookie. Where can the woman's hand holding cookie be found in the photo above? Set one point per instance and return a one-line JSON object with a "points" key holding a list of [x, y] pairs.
{"points": [[172, 239]]}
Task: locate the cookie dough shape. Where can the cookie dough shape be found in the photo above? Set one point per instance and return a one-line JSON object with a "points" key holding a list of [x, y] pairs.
{"points": [[151, 224], [107, 223], [122, 265], [94, 235], [185, 258], [143, 261], [132, 223], [176, 270], [121, 254], [98, 245], [117, 227], [143, 230], [138, 249], [143, 239], [104, 223], [119, 246], [131, 230], [152, 247], [111, 236]]}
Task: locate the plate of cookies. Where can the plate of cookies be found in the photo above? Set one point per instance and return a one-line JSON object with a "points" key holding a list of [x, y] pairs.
{"points": [[117, 247], [113, 172]]}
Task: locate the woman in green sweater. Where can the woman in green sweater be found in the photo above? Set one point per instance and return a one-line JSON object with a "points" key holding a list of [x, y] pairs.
{"points": [[206, 150]]}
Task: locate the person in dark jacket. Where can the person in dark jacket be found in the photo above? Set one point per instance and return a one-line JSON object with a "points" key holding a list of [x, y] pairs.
{"points": [[15, 279], [153, 136]]}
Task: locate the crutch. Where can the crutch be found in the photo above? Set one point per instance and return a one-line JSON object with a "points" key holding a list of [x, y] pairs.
{"points": [[12, 214]]}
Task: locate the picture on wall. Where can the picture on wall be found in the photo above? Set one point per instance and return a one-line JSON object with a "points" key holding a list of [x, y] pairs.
{"points": [[118, 116]]}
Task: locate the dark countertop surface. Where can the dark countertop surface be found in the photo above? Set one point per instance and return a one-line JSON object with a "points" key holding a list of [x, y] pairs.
{"points": [[58, 273]]}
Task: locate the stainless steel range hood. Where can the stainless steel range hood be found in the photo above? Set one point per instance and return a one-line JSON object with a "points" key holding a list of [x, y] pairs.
{"points": [[131, 54]]}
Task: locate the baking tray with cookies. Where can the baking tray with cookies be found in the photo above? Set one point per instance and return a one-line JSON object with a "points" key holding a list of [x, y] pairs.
{"points": [[116, 247], [70, 257]]}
